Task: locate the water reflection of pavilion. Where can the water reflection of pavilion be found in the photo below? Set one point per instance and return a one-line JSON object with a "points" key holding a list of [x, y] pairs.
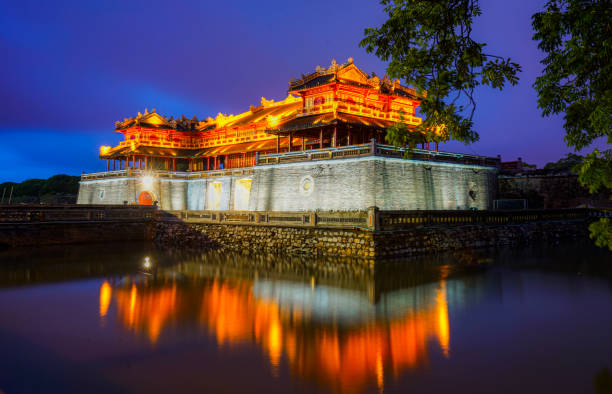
{"points": [[342, 337]]}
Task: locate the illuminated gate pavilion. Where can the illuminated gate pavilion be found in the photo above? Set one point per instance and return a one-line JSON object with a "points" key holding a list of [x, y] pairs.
{"points": [[321, 148]]}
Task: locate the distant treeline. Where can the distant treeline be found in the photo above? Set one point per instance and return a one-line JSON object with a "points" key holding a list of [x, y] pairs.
{"points": [[566, 163], [59, 189]]}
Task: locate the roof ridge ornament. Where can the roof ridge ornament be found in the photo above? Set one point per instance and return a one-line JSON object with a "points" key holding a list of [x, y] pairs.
{"points": [[266, 103]]}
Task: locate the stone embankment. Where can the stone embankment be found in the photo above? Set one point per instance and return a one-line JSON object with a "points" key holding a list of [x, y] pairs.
{"points": [[311, 241], [362, 243], [433, 240], [365, 234]]}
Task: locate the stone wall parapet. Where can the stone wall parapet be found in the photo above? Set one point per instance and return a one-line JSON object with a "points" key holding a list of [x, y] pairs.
{"points": [[374, 149], [375, 219], [161, 174]]}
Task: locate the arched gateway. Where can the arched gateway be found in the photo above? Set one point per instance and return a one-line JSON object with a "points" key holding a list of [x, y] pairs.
{"points": [[145, 198]]}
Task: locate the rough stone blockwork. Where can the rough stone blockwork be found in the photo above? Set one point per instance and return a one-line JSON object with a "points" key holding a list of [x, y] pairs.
{"points": [[421, 241], [362, 244], [288, 240]]}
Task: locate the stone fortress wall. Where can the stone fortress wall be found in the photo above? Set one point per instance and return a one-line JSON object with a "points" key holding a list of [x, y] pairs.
{"points": [[220, 193], [338, 185], [387, 183]]}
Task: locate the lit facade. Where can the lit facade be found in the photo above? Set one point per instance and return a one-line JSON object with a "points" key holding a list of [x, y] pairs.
{"points": [[332, 107], [321, 148]]}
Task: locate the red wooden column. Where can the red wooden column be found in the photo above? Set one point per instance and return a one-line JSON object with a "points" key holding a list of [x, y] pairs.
{"points": [[208, 162], [173, 164], [290, 140], [216, 162], [114, 164], [244, 160], [107, 165], [277, 143], [335, 141], [348, 138], [303, 144], [427, 145], [321, 138]]}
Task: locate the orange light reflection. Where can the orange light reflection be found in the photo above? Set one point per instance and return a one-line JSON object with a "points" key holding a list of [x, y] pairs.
{"points": [[105, 298], [344, 359]]}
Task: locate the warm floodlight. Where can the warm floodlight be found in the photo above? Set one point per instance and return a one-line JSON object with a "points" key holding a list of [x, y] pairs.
{"points": [[147, 181], [147, 263]]}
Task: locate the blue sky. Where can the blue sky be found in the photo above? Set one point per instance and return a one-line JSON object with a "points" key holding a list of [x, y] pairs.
{"points": [[73, 68]]}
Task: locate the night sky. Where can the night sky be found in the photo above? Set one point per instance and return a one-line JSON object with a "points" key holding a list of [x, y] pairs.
{"points": [[70, 69]]}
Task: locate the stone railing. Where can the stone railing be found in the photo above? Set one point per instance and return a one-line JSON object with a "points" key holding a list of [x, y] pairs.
{"points": [[398, 220], [374, 149], [269, 218], [372, 219], [130, 172], [74, 213]]}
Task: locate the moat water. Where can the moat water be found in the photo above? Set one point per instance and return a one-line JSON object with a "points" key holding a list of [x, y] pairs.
{"points": [[135, 319]]}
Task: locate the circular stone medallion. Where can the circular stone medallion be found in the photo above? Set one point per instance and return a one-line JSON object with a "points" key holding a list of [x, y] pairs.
{"points": [[306, 185]]}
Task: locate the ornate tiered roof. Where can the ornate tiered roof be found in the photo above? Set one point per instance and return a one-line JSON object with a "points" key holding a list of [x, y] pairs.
{"points": [[154, 120], [350, 74], [340, 94]]}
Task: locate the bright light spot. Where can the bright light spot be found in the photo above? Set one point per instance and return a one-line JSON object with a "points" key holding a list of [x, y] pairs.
{"points": [[147, 262], [273, 120], [104, 150], [214, 196], [147, 181], [243, 191]]}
